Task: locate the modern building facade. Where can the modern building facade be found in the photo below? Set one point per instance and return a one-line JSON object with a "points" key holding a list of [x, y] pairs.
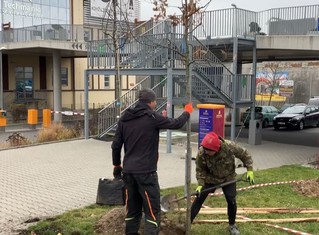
{"points": [[43, 52]]}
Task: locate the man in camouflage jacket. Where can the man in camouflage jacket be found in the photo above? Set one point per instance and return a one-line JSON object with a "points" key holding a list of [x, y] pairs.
{"points": [[215, 164]]}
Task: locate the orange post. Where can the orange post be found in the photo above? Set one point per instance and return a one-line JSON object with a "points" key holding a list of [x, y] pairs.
{"points": [[32, 116], [46, 113], [3, 118]]}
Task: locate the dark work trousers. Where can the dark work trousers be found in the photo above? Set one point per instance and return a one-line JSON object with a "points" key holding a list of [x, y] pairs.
{"points": [[230, 195], [142, 192]]}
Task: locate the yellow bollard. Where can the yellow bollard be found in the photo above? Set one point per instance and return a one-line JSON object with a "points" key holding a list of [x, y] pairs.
{"points": [[32, 117], [3, 119], [46, 113]]}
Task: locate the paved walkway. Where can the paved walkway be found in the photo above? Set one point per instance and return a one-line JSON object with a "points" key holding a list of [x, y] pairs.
{"points": [[47, 180]]}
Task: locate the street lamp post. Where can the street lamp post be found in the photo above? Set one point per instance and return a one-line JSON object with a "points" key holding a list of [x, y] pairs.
{"points": [[234, 83]]}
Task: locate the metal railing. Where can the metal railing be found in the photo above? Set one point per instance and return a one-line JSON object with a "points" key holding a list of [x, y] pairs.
{"points": [[107, 116], [299, 20], [73, 33], [65, 32], [141, 51], [219, 24]]}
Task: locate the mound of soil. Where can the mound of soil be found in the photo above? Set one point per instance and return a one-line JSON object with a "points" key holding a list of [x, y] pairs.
{"points": [[113, 223], [308, 188]]}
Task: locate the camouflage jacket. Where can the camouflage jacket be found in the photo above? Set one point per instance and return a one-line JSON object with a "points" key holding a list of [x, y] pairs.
{"points": [[220, 167]]}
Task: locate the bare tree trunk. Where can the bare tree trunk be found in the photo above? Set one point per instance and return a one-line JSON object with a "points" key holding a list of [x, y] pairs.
{"points": [[188, 157], [117, 60]]}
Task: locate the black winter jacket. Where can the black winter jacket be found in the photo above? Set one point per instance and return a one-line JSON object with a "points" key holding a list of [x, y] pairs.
{"points": [[138, 129]]}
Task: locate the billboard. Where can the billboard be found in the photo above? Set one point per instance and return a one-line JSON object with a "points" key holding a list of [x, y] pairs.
{"points": [[125, 10], [286, 88], [265, 82]]}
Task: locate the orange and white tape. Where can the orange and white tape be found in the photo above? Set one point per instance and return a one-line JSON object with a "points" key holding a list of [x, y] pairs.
{"points": [[68, 113], [288, 229]]}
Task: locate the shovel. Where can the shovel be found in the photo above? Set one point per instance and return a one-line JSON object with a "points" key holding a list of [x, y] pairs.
{"points": [[169, 202]]}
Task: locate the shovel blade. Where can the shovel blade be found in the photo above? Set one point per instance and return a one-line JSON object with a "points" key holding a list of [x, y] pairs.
{"points": [[168, 202]]}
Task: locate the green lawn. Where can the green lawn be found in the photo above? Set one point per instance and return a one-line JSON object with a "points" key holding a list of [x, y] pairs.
{"points": [[82, 221]]}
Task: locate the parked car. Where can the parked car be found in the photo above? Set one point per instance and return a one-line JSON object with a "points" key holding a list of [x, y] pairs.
{"points": [[314, 101], [263, 113], [298, 116], [286, 105]]}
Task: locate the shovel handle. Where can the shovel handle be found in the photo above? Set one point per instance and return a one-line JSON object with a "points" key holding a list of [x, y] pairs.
{"points": [[215, 187], [208, 189]]}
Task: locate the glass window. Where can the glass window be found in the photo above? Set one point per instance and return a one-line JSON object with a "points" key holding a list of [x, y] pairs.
{"points": [[46, 2], [63, 4], [64, 76], [18, 22], [54, 3], [45, 11], [106, 82], [27, 13], [24, 82], [62, 14], [27, 21], [54, 12], [28, 69], [37, 21]]}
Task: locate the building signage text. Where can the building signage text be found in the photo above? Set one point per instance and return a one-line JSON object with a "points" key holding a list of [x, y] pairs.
{"points": [[21, 9]]}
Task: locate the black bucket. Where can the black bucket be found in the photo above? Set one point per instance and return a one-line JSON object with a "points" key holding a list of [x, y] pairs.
{"points": [[110, 192]]}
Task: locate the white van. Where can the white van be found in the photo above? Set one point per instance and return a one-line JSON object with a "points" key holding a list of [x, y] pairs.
{"points": [[314, 101]]}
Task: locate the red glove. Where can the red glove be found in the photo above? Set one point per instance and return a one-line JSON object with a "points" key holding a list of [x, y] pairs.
{"points": [[189, 107]]}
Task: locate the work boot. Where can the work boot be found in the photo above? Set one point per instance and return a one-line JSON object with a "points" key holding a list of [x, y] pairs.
{"points": [[233, 230]]}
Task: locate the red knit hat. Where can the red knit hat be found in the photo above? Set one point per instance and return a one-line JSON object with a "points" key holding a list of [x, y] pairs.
{"points": [[211, 142]]}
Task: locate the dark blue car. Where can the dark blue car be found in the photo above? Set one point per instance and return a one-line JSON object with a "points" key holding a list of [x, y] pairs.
{"points": [[297, 117]]}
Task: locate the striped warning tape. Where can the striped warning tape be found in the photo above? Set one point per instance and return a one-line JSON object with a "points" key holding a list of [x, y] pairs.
{"points": [[68, 113], [258, 186], [288, 229]]}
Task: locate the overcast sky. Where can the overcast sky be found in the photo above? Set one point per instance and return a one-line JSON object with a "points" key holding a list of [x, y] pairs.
{"points": [[254, 5]]}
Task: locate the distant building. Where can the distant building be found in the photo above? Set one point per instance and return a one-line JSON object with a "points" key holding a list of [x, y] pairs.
{"points": [[44, 54]]}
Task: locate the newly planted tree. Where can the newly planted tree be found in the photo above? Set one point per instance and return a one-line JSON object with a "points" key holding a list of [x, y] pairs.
{"points": [[189, 11]]}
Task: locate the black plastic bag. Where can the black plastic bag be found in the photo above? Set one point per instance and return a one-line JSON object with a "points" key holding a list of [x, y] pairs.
{"points": [[110, 192]]}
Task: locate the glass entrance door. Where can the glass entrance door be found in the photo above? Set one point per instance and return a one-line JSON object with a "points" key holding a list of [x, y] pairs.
{"points": [[24, 83]]}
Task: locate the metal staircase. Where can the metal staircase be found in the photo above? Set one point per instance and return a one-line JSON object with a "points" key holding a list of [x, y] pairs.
{"points": [[107, 117], [158, 49]]}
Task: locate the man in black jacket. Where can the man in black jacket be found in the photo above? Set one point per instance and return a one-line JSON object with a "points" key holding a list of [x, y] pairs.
{"points": [[138, 129]]}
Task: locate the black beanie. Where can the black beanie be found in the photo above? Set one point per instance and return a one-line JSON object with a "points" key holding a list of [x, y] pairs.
{"points": [[147, 95]]}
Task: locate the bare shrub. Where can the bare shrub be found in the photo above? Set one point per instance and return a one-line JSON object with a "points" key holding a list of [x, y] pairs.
{"points": [[4, 145], [56, 132], [17, 139]]}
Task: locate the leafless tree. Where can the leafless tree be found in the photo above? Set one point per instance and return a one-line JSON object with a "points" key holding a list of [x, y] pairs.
{"points": [[116, 27], [273, 76]]}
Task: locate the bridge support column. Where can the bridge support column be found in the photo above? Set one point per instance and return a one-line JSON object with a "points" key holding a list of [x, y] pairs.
{"points": [[57, 88], [169, 107], [254, 137]]}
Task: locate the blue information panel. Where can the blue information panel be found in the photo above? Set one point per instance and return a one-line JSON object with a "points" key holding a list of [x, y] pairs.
{"points": [[205, 123]]}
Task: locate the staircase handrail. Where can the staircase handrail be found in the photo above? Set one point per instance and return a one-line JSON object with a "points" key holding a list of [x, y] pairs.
{"points": [[133, 88], [209, 56], [136, 101], [113, 121]]}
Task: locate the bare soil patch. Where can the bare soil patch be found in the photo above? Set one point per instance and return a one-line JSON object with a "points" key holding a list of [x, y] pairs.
{"points": [[113, 223], [308, 188]]}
